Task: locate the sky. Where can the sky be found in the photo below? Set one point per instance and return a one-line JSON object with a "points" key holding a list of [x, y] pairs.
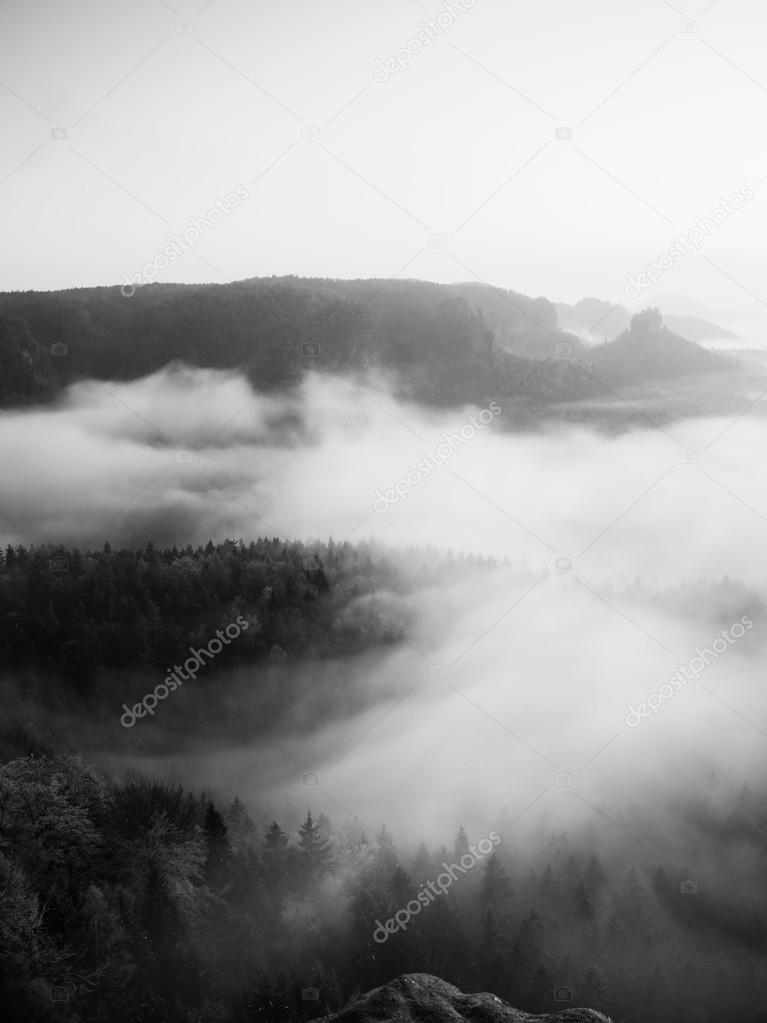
{"points": [[551, 148]]}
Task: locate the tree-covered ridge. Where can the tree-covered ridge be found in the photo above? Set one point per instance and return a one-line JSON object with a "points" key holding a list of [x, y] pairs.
{"points": [[93, 628], [272, 328], [76, 611], [132, 900], [647, 347], [445, 344]]}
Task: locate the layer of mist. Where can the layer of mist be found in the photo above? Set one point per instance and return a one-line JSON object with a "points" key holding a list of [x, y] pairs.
{"points": [[625, 554]]}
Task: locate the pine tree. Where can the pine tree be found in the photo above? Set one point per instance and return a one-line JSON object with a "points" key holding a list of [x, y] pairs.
{"points": [[315, 849], [400, 887], [422, 863], [584, 910], [387, 858], [631, 895], [219, 852], [594, 877], [275, 838], [496, 885], [461, 844], [239, 823], [490, 960]]}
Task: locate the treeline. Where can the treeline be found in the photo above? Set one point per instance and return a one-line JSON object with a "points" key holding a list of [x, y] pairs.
{"points": [[76, 611], [647, 349], [89, 629], [135, 901], [445, 345], [448, 344]]}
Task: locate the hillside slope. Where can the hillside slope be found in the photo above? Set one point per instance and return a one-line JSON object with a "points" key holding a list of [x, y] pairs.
{"points": [[445, 344], [648, 350], [438, 345]]}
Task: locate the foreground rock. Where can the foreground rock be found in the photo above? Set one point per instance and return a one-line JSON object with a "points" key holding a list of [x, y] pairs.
{"points": [[416, 997]]}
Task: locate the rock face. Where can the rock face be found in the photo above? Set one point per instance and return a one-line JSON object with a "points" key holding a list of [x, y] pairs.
{"points": [[417, 997]]}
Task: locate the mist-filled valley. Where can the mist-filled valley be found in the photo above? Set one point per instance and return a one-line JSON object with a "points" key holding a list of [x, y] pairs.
{"points": [[437, 626], [383, 493]]}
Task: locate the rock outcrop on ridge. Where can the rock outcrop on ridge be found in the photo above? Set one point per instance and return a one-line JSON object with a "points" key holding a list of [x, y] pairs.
{"points": [[417, 997]]}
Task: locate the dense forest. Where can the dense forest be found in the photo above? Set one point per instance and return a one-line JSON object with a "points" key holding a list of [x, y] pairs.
{"points": [[134, 900], [446, 345], [75, 611], [126, 897], [79, 626]]}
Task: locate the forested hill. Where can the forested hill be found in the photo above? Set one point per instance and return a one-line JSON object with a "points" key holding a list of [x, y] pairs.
{"points": [[445, 344], [136, 901], [85, 630], [274, 329], [647, 347]]}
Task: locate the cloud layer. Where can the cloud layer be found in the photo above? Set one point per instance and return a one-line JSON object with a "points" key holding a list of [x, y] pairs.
{"points": [[512, 681]]}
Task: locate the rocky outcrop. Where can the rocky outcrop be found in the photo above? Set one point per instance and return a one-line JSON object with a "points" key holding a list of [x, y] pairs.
{"points": [[649, 351], [417, 997]]}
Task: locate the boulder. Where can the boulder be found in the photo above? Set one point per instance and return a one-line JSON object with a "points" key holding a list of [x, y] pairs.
{"points": [[417, 997]]}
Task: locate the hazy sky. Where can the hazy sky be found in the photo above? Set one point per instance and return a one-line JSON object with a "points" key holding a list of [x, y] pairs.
{"points": [[169, 106]]}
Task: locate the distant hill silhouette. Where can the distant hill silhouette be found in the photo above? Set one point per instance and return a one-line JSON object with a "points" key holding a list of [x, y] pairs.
{"points": [[605, 321], [592, 316], [444, 345], [448, 344], [648, 350], [696, 329]]}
